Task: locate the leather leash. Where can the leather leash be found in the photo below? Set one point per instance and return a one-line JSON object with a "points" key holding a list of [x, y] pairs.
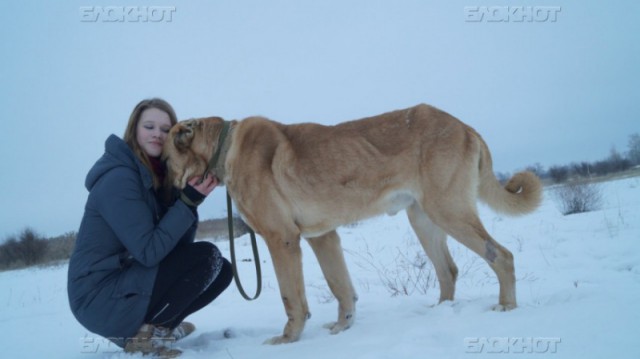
{"points": [[256, 257], [254, 245]]}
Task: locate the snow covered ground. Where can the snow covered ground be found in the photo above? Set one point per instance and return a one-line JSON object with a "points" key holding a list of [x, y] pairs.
{"points": [[578, 287]]}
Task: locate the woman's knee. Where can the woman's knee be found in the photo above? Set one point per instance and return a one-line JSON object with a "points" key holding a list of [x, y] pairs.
{"points": [[218, 267], [207, 252], [226, 273]]}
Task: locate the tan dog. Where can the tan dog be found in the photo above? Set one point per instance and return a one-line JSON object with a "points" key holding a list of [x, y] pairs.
{"points": [[306, 180]]}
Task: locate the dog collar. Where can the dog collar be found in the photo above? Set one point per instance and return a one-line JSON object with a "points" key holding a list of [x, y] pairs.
{"points": [[216, 156]]}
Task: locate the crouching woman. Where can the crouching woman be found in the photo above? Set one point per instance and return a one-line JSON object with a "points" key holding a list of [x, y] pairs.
{"points": [[136, 273]]}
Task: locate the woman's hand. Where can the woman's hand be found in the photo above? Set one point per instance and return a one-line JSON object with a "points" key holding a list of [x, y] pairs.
{"points": [[196, 190], [206, 186]]}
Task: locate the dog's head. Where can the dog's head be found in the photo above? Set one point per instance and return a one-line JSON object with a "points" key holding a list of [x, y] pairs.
{"points": [[189, 147]]}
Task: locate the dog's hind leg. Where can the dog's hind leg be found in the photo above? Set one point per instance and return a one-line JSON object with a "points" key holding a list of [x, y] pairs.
{"points": [[329, 252], [464, 225], [287, 261], [434, 242]]}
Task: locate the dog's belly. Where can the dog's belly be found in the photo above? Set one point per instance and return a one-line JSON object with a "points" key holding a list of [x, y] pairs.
{"points": [[318, 221], [398, 201]]}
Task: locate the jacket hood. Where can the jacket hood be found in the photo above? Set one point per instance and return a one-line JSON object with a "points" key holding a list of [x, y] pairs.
{"points": [[117, 154]]}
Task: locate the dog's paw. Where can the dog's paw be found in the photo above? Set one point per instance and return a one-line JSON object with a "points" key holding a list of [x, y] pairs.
{"points": [[281, 339], [337, 327], [503, 307]]}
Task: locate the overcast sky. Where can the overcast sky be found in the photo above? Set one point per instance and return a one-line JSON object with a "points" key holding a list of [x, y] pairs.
{"points": [[549, 92]]}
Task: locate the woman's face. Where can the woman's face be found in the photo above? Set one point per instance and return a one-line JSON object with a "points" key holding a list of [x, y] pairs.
{"points": [[152, 130]]}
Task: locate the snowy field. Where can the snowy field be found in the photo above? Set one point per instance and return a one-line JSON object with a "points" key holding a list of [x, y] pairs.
{"points": [[578, 287]]}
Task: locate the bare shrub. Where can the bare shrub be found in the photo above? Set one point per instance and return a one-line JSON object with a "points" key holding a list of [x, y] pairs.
{"points": [[578, 197], [582, 169], [60, 248], [26, 250], [410, 272], [8, 259], [559, 174], [634, 149]]}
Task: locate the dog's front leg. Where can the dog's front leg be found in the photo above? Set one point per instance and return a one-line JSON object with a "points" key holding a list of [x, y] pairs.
{"points": [[328, 250], [287, 262]]}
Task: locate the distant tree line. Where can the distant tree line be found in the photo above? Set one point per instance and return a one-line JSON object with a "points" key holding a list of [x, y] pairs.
{"points": [[616, 162]]}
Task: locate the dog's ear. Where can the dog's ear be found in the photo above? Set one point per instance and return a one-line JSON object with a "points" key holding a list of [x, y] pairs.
{"points": [[183, 136]]}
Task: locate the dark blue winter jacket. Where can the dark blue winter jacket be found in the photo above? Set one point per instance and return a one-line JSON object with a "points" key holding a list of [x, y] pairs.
{"points": [[123, 236]]}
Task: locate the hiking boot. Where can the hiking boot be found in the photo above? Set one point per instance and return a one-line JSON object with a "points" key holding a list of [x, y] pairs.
{"points": [[181, 331], [150, 340]]}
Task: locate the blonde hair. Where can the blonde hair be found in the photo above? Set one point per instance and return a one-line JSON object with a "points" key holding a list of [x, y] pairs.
{"points": [[130, 133]]}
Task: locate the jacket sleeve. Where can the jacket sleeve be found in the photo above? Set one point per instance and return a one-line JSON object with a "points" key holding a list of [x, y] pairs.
{"points": [[120, 199], [190, 234]]}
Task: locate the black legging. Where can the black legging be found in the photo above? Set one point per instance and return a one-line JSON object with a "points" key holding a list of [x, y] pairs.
{"points": [[188, 279]]}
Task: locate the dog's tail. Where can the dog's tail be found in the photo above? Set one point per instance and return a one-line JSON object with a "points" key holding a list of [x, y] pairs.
{"points": [[522, 194]]}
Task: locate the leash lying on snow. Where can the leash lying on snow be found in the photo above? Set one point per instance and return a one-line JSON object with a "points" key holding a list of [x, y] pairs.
{"points": [[256, 257]]}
